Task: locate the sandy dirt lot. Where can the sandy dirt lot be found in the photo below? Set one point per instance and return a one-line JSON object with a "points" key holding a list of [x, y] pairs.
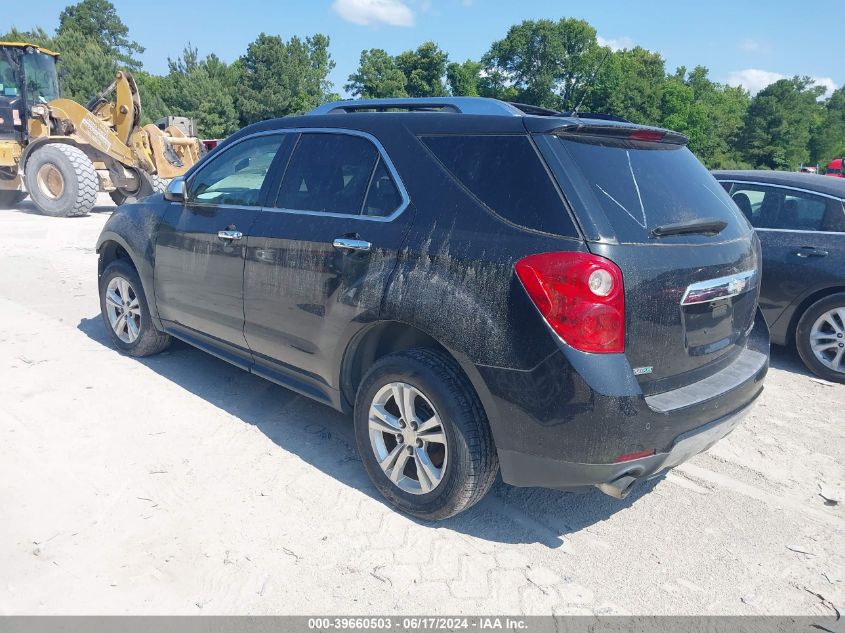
{"points": [[180, 484]]}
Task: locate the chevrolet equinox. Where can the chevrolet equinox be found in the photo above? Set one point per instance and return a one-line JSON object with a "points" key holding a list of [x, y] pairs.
{"points": [[569, 298]]}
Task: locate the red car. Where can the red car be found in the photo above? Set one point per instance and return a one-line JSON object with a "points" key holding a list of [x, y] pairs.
{"points": [[834, 168]]}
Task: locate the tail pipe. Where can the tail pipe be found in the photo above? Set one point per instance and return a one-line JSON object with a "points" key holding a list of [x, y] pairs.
{"points": [[619, 487]]}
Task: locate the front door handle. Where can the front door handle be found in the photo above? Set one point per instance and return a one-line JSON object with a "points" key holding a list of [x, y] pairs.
{"points": [[810, 251], [229, 235], [346, 244]]}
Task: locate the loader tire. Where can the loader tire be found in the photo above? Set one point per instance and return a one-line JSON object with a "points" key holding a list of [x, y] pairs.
{"points": [[153, 185], [61, 180]]}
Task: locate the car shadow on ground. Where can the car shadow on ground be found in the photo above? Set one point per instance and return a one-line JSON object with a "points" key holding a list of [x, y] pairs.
{"points": [[787, 359], [29, 208], [324, 438]]}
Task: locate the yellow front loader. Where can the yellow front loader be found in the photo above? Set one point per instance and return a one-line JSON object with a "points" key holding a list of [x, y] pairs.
{"points": [[64, 153]]}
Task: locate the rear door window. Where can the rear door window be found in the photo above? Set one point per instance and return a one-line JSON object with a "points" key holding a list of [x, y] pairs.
{"points": [[506, 174], [640, 186]]}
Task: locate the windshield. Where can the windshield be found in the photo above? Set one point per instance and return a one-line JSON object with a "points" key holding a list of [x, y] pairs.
{"points": [[642, 186], [41, 82]]}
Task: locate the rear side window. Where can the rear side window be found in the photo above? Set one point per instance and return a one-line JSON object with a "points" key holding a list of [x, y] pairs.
{"points": [[505, 174], [383, 197], [329, 173], [781, 208], [641, 186]]}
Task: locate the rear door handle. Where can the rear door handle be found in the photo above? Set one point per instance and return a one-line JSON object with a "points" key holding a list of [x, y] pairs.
{"points": [[229, 235], [810, 251], [346, 244]]}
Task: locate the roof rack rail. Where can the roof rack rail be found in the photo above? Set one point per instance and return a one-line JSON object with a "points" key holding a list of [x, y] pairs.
{"points": [[457, 105]]}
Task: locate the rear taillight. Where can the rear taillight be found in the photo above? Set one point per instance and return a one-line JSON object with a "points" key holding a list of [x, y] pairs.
{"points": [[580, 296]]}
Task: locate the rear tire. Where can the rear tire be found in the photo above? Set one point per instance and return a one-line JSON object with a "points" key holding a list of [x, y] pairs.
{"points": [[61, 180], [126, 314], [456, 453], [10, 199], [820, 337]]}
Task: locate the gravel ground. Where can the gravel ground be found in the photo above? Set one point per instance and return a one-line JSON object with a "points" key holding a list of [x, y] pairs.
{"points": [[180, 484]]}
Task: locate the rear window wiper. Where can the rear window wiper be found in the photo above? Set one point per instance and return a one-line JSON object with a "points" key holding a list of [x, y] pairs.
{"points": [[704, 226]]}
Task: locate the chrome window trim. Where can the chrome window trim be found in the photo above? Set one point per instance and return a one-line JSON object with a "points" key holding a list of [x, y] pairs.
{"points": [[403, 193], [791, 188], [724, 287], [802, 231]]}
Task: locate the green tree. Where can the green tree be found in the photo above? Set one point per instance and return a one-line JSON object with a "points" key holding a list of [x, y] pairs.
{"points": [[628, 84], [84, 68], [377, 76], [37, 36], [545, 62], [424, 69], [710, 114], [827, 140], [203, 89], [778, 123], [464, 79], [279, 78], [98, 19]]}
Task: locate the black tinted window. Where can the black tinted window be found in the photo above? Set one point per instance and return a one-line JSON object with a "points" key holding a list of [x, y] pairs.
{"points": [[641, 186], [236, 175], [779, 208], [383, 198], [328, 172], [507, 175]]}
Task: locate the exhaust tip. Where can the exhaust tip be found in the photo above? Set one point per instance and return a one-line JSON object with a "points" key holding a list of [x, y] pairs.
{"points": [[619, 488]]}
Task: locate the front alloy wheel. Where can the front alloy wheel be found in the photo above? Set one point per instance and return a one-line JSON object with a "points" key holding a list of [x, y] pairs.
{"points": [[407, 438], [123, 309]]}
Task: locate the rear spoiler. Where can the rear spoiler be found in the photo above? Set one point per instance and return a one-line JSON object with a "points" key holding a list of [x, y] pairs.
{"points": [[622, 133]]}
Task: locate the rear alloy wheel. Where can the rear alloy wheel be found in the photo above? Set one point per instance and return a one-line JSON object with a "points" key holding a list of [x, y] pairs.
{"points": [[125, 311], [422, 434], [61, 180], [820, 338], [407, 438]]}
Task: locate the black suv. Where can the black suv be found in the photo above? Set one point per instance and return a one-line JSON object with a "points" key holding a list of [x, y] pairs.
{"points": [[572, 299]]}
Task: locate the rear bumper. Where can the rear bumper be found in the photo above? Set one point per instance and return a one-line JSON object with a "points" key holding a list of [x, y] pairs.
{"points": [[565, 423], [522, 469]]}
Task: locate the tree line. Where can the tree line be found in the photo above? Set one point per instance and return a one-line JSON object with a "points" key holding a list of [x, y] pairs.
{"points": [[553, 64]]}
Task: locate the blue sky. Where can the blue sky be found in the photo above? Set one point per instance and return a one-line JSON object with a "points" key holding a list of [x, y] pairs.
{"points": [[741, 42]]}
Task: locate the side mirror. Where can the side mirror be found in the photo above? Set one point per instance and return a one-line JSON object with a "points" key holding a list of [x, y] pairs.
{"points": [[176, 191]]}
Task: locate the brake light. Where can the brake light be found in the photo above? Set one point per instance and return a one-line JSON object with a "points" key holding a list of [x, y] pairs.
{"points": [[647, 135], [581, 297]]}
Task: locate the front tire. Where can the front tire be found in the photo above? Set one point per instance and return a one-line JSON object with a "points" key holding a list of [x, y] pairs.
{"points": [[61, 180], [820, 337], [423, 436], [126, 313]]}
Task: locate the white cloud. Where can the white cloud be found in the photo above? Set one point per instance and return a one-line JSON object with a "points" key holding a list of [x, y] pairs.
{"points": [[366, 12], [749, 45], [615, 44], [754, 80]]}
